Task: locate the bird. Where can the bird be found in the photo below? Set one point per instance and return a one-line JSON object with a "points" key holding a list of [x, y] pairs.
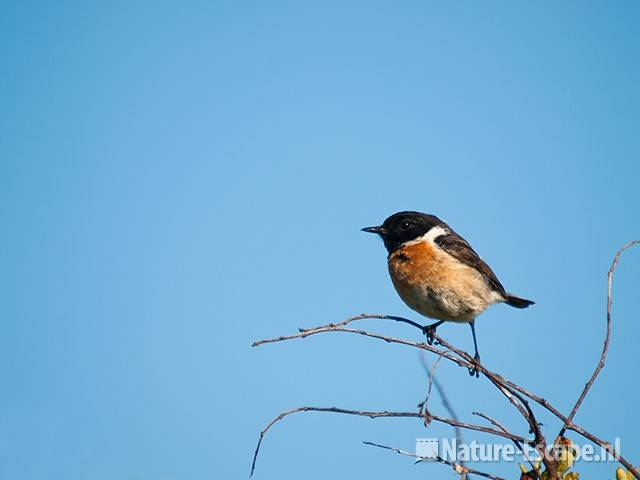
{"points": [[438, 274]]}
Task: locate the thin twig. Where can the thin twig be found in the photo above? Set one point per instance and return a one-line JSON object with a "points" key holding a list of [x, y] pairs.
{"points": [[445, 401], [497, 424], [385, 414], [607, 446], [607, 338], [457, 467], [341, 327], [424, 405]]}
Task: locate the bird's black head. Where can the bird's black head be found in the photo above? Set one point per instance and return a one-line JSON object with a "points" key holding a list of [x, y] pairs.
{"points": [[403, 227]]}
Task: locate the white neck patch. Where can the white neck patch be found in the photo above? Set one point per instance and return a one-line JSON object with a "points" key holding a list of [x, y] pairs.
{"points": [[430, 236]]}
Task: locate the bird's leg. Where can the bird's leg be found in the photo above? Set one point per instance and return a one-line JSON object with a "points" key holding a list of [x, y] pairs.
{"points": [[476, 357], [429, 330]]}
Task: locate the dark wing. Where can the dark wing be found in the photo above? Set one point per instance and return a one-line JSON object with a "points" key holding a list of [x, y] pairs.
{"points": [[459, 248]]}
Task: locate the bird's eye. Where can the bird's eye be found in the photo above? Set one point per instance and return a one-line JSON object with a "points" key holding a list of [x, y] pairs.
{"points": [[406, 225]]}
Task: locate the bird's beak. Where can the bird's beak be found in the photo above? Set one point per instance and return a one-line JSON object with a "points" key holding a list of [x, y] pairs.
{"points": [[377, 230]]}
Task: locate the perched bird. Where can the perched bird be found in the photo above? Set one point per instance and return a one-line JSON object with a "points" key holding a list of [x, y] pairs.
{"points": [[437, 273]]}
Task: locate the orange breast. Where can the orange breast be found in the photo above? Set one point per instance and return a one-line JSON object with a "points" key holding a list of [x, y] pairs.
{"points": [[435, 284], [420, 263]]}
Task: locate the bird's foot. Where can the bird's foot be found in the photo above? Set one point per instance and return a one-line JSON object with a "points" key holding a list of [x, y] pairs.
{"points": [[473, 371], [429, 331]]}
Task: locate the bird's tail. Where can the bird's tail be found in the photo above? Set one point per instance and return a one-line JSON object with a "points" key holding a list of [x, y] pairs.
{"points": [[518, 302]]}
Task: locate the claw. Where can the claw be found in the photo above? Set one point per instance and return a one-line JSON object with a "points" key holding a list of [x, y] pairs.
{"points": [[473, 371], [429, 331]]}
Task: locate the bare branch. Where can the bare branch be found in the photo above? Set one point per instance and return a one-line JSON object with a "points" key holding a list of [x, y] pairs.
{"points": [[459, 359], [385, 414], [340, 327], [607, 338], [332, 327], [607, 446], [457, 467]]}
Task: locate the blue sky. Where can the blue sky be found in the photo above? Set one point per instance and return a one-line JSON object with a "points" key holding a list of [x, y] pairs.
{"points": [[179, 179]]}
